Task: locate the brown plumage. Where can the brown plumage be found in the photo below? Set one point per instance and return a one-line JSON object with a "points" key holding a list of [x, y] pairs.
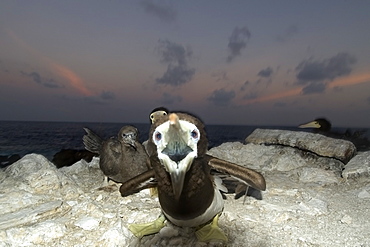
{"points": [[122, 157], [187, 192]]}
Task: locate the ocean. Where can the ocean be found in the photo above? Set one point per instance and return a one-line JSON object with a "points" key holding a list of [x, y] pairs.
{"points": [[48, 138]]}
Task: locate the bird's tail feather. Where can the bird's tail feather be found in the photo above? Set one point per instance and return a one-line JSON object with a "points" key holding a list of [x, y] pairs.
{"points": [[92, 141]]}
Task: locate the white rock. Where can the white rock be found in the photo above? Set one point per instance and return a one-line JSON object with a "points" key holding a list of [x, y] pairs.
{"points": [[317, 175], [346, 219], [99, 198], [358, 166], [28, 214], [87, 223], [293, 211], [114, 237], [168, 232], [363, 194]]}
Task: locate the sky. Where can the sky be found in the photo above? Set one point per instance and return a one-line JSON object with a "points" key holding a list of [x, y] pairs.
{"points": [[265, 63]]}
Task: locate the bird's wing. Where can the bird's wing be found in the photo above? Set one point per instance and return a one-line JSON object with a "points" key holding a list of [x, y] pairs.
{"points": [[138, 183], [114, 147], [92, 141], [246, 175]]}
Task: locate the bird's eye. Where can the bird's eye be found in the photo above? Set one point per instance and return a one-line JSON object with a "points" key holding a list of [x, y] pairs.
{"points": [[164, 113], [151, 116], [194, 134], [157, 136]]}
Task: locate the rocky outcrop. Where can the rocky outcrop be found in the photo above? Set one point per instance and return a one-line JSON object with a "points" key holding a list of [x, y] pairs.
{"points": [[320, 145], [359, 166], [306, 203]]}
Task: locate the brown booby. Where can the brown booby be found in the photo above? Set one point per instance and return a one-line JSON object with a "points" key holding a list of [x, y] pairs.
{"points": [[122, 157], [319, 125], [157, 113], [188, 194], [323, 126]]}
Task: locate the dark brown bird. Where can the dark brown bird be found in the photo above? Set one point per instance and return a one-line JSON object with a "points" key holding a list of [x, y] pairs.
{"points": [[157, 113], [323, 126], [122, 157], [188, 194]]}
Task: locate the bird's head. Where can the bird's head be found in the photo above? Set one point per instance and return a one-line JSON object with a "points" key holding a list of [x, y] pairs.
{"points": [[321, 124], [178, 139], [157, 113], [128, 136]]}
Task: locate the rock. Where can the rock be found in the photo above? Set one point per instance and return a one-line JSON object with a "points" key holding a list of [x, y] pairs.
{"points": [[87, 223], [364, 194], [34, 173], [321, 145], [358, 166], [29, 214], [275, 158], [67, 157], [305, 204], [317, 175], [346, 220]]}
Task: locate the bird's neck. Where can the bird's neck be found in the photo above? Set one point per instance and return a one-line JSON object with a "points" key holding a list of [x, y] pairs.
{"points": [[196, 196]]}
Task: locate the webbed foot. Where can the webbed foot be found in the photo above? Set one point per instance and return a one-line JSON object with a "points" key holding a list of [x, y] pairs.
{"points": [[140, 230], [211, 231]]}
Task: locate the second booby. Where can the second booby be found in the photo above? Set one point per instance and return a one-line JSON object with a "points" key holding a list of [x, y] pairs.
{"points": [[157, 113], [323, 126], [188, 194], [319, 125], [122, 157]]}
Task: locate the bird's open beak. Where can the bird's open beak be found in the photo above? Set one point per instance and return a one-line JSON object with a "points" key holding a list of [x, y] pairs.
{"points": [[131, 142], [178, 154], [313, 124]]}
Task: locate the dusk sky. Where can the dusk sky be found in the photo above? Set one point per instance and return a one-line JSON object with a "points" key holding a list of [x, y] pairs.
{"points": [[229, 62]]}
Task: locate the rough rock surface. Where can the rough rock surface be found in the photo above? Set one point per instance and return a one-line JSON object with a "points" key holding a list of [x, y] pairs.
{"points": [[358, 166], [316, 143], [306, 204]]}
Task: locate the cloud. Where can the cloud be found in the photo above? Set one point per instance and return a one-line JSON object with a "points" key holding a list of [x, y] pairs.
{"points": [[288, 33], [337, 89], [314, 87], [69, 75], [163, 12], [176, 57], [237, 42], [244, 86], [266, 72], [280, 104], [328, 69], [313, 75], [250, 96], [221, 97], [36, 77], [220, 76], [107, 95], [169, 99], [176, 75]]}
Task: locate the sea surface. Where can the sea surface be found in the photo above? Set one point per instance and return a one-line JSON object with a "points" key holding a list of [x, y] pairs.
{"points": [[48, 138]]}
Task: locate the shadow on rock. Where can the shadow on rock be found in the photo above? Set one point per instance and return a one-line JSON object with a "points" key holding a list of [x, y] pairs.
{"points": [[67, 157]]}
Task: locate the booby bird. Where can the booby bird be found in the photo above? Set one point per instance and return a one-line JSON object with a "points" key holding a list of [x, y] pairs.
{"points": [[323, 126], [319, 125], [157, 113], [188, 194], [122, 157]]}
